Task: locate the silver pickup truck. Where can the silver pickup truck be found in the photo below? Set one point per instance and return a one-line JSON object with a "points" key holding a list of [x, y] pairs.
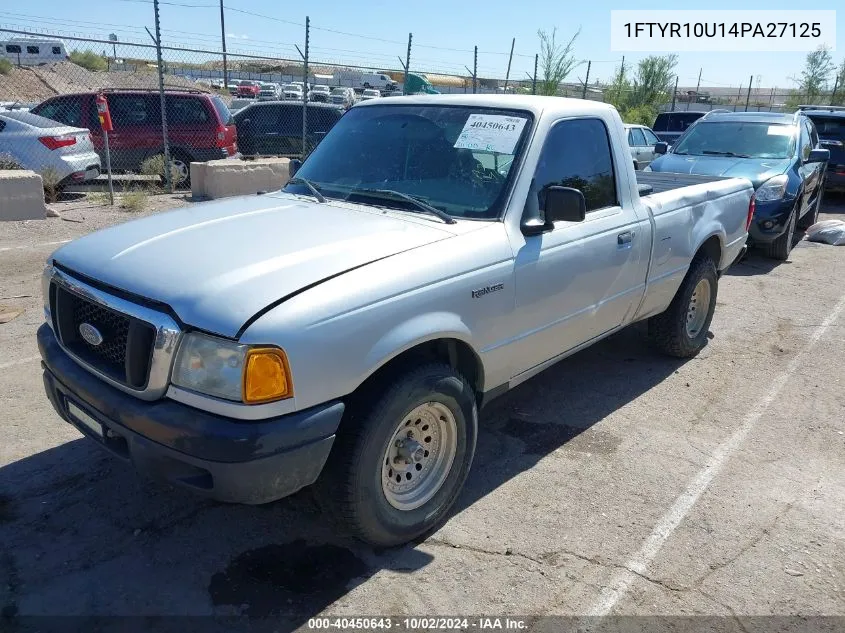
{"points": [[431, 253]]}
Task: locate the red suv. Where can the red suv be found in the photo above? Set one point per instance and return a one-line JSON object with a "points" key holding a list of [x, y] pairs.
{"points": [[199, 126], [249, 89]]}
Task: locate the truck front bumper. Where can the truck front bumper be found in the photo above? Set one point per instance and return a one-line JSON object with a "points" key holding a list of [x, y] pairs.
{"points": [[223, 458]]}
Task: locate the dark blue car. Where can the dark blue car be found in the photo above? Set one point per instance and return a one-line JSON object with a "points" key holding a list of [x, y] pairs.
{"points": [[779, 153], [830, 124]]}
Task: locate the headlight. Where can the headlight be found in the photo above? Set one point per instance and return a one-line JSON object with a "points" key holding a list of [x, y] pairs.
{"points": [[232, 371], [772, 189]]}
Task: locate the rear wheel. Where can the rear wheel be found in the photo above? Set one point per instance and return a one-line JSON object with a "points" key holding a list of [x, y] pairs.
{"points": [[681, 330], [781, 247], [402, 457]]}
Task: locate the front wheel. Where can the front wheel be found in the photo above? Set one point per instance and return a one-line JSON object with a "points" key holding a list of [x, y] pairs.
{"points": [[780, 248], [400, 461], [681, 330]]}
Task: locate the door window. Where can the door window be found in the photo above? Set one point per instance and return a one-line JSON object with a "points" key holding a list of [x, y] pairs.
{"points": [[814, 136], [635, 137], [650, 138], [805, 142], [67, 110], [577, 154], [134, 110], [32, 50], [186, 111]]}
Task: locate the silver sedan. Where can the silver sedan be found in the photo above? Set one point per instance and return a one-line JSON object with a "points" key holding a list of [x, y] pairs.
{"points": [[47, 146], [641, 140]]}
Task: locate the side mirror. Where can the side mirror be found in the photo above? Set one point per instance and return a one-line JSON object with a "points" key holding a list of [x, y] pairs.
{"points": [[661, 147], [561, 204], [564, 204], [818, 156], [293, 167]]}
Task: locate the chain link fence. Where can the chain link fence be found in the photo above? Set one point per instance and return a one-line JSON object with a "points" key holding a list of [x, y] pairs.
{"points": [[217, 105]]}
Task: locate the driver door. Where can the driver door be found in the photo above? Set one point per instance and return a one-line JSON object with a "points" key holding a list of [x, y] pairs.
{"points": [[581, 279]]}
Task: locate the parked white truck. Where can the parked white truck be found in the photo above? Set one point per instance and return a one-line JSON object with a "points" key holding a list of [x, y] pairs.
{"points": [[430, 254]]}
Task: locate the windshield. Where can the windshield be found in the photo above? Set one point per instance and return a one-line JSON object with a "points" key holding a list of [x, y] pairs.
{"points": [[339, 91], [456, 159], [738, 138]]}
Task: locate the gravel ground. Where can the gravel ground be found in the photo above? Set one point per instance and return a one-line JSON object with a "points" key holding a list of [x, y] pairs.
{"points": [[617, 482]]}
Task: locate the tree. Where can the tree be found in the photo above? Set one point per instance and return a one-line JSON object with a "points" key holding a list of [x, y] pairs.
{"points": [[89, 60], [816, 74], [654, 80], [556, 61], [637, 98], [839, 97]]}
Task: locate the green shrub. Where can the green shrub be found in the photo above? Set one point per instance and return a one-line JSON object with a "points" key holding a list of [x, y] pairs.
{"points": [[50, 179], [5, 66], [89, 60], [154, 166], [134, 200]]}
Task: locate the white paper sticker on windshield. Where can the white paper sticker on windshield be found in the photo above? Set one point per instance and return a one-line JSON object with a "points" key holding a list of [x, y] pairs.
{"points": [[491, 133], [780, 130]]}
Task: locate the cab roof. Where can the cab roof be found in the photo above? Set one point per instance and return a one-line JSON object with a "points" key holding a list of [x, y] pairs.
{"points": [[533, 103]]}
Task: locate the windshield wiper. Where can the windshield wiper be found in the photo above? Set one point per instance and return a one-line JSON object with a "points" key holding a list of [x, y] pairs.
{"points": [[731, 154], [419, 204], [314, 191]]}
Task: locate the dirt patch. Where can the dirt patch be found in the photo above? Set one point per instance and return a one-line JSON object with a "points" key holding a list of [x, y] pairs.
{"points": [[34, 84]]}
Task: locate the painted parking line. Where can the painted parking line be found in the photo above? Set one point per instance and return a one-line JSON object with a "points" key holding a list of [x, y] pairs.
{"points": [[26, 246], [20, 361], [621, 582]]}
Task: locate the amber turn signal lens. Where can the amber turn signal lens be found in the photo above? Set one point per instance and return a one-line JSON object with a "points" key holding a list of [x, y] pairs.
{"points": [[266, 376]]}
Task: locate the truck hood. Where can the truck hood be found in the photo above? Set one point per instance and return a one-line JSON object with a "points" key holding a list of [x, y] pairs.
{"points": [[757, 170], [216, 264]]}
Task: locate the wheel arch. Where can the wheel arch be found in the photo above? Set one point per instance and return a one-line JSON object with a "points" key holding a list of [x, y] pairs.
{"points": [[399, 349]]}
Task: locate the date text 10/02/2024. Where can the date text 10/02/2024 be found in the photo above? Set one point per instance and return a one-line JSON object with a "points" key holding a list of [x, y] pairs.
{"points": [[416, 624]]}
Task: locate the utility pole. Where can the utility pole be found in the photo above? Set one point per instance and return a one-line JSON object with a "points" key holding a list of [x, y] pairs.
{"points": [[772, 98], [534, 83], [223, 36], [305, 86], [168, 176], [587, 80], [508, 74], [675, 93], [407, 61], [835, 86], [748, 96], [697, 86], [475, 71]]}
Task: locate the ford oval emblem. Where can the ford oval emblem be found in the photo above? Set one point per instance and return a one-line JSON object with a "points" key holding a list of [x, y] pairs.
{"points": [[90, 334]]}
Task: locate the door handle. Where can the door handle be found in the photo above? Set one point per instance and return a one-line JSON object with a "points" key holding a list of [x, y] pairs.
{"points": [[624, 239]]}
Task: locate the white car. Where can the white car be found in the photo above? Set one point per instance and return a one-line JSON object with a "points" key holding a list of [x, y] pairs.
{"points": [[370, 94], [40, 144], [269, 91], [641, 140], [292, 92], [319, 94], [342, 96]]}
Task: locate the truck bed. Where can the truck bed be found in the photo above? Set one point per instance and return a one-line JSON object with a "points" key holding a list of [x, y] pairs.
{"points": [[650, 182]]}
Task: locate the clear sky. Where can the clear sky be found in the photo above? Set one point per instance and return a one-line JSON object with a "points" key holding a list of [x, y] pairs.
{"points": [[374, 32]]}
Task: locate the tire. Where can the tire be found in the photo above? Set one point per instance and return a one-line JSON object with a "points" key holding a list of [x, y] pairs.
{"points": [[812, 217], [182, 163], [669, 331], [780, 248], [358, 481]]}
